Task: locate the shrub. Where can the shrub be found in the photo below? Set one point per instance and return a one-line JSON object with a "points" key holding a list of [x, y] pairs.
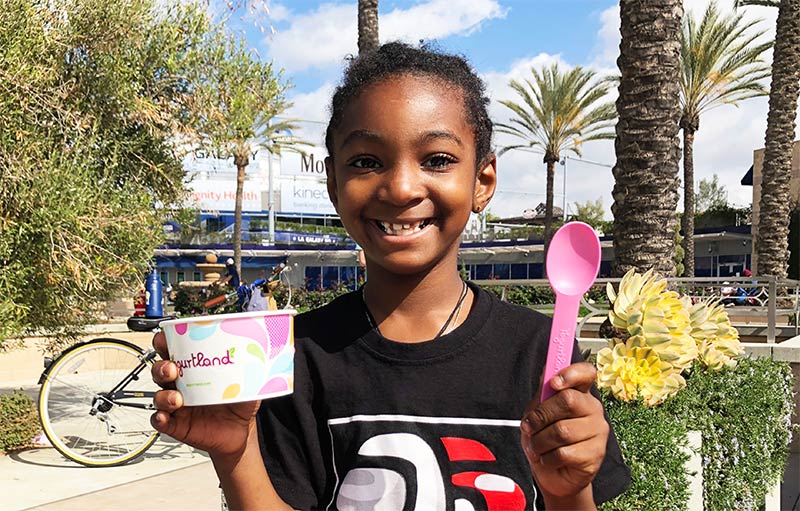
{"points": [[18, 421]]}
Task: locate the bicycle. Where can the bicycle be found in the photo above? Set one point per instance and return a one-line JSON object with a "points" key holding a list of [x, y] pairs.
{"points": [[95, 403]]}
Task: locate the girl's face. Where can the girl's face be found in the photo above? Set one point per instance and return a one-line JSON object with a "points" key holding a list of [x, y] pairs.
{"points": [[402, 176]]}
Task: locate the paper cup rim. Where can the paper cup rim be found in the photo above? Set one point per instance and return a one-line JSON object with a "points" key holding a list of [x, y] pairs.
{"points": [[234, 315]]}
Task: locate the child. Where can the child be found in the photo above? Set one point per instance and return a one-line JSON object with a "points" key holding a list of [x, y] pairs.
{"points": [[418, 391]]}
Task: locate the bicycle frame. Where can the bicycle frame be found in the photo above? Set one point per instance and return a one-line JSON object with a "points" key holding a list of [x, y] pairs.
{"points": [[117, 393]]}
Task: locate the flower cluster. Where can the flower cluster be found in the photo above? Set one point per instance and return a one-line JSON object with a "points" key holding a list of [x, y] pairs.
{"points": [[660, 335]]}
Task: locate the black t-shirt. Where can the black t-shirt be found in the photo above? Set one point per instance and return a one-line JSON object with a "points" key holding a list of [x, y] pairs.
{"points": [[378, 424]]}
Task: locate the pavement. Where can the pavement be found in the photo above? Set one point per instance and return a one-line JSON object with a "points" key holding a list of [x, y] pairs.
{"points": [[169, 475]]}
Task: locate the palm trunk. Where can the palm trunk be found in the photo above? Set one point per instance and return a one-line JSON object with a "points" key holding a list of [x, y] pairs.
{"points": [[687, 222], [367, 25], [646, 172], [241, 163], [773, 219], [548, 204]]}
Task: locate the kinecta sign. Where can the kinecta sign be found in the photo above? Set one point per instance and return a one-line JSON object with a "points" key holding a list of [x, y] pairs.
{"points": [[305, 196], [199, 359]]}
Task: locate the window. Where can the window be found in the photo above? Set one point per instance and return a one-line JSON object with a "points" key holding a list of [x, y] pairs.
{"points": [[164, 277], [197, 276], [181, 277], [519, 271], [313, 278]]}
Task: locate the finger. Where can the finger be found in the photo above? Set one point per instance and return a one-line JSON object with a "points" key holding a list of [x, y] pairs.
{"points": [[160, 345], [566, 404], [585, 456], [163, 422], [580, 376], [168, 400], [164, 372], [567, 432]]}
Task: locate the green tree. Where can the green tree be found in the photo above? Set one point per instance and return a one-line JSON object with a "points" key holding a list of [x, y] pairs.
{"points": [[592, 213], [722, 64], [91, 97], [710, 195], [646, 172], [559, 111], [772, 253], [367, 25], [233, 111]]}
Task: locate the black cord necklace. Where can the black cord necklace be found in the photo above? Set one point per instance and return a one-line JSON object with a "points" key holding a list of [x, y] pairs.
{"points": [[455, 313]]}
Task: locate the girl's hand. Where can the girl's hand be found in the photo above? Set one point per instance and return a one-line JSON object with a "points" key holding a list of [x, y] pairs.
{"points": [[216, 429], [565, 437]]}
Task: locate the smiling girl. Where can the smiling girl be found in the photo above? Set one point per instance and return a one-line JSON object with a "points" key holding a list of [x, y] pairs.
{"points": [[419, 390]]}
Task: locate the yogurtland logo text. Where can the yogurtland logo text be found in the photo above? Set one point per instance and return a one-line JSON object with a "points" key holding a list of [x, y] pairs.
{"points": [[200, 359]]}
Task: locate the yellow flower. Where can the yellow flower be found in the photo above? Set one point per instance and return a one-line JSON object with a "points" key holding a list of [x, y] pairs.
{"points": [[717, 340], [645, 308], [633, 369]]}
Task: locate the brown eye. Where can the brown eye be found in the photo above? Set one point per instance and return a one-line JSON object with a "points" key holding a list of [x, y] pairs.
{"points": [[439, 161], [365, 163]]}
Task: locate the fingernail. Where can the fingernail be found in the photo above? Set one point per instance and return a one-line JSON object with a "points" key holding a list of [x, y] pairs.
{"points": [[557, 381], [165, 370], [525, 425], [173, 400]]}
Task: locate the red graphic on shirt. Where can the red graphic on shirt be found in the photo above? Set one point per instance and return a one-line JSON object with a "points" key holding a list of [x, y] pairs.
{"points": [[499, 492], [465, 449]]}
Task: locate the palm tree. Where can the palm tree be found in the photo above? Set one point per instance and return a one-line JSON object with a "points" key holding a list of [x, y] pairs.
{"points": [[367, 25], [559, 111], [646, 172], [721, 64], [772, 253], [235, 102]]}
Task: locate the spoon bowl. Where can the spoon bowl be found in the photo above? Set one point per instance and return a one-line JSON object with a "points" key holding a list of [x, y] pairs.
{"points": [[573, 261]]}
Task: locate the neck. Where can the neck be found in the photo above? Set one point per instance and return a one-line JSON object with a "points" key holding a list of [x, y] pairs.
{"points": [[414, 308]]}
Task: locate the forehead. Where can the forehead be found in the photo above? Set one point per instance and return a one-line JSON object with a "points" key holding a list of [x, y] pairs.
{"points": [[407, 103]]}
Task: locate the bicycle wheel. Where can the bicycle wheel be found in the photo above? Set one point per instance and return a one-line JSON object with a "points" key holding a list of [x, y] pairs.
{"points": [[78, 415]]}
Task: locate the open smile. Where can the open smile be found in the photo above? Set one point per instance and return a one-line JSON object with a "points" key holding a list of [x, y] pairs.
{"points": [[402, 228]]}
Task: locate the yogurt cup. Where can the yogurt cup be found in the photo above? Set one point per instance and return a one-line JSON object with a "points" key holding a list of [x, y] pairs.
{"points": [[229, 358]]}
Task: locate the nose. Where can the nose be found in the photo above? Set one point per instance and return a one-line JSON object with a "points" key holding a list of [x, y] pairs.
{"points": [[403, 184]]}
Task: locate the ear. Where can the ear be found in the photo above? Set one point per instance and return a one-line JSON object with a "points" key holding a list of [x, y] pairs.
{"points": [[485, 184], [331, 182]]}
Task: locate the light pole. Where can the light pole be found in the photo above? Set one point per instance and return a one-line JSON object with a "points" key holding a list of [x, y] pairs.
{"points": [[270, 201], [563, 163]]}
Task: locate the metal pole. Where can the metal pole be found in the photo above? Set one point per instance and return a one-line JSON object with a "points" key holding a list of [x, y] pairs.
{"points": [[563, 163], [270, 202]]}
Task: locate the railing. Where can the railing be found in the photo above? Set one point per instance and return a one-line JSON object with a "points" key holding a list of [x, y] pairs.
{"points": [[755, 297]]}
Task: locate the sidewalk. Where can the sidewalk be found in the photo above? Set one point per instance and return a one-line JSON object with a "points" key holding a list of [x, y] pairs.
{"points": [[169, 474]]}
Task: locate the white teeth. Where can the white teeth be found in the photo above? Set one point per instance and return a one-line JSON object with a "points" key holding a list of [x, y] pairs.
{"points": [[401, 229]]}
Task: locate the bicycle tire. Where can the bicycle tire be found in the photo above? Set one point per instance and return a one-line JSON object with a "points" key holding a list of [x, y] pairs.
{"points": [[72, 383]]}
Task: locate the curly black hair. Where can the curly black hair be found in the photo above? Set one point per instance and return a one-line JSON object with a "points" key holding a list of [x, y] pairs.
{"points": [[396, 58]]}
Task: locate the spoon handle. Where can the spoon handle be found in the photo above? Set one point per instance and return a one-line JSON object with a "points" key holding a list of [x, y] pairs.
{"points": [[562, 338]]}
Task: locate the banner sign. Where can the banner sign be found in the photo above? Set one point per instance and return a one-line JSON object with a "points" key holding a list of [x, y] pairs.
{"points": [[311, 164], [220, 194], [305, 196], [306, 238]]}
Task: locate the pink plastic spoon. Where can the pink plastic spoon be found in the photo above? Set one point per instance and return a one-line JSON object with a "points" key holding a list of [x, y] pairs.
{"points": [[573, 261]]}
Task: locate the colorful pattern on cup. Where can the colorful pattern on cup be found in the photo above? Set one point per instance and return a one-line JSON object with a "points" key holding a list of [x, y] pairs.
{"points": [[233, 359]]}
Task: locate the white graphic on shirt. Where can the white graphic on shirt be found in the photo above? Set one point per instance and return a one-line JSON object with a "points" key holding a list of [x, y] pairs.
{"points": [[430, 486], [396, 468]]}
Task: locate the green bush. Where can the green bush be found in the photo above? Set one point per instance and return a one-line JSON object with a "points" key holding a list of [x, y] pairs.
{"points": [[19, 422], [744, 416]]}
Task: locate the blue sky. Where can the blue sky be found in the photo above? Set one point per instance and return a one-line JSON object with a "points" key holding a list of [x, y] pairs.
{"points": [[503, 39]]}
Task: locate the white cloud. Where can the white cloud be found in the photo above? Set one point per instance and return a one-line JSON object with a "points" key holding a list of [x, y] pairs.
{"points": [[312, 107], [323, 37], [278, 12]]}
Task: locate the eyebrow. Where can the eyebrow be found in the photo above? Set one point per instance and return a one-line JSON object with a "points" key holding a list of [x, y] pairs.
{"points": [[426, 137]]}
